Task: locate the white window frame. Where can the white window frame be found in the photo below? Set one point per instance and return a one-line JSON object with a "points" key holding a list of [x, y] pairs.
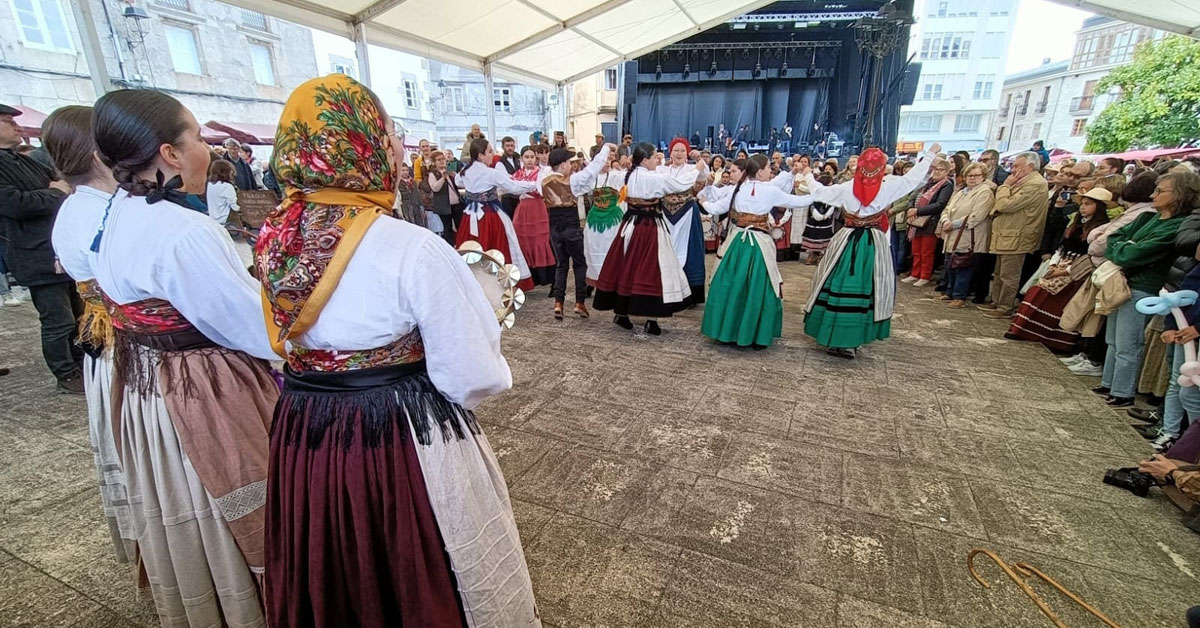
{"points": [[960, 127], [412, 96], [38, 10], [942, 7], [338, 67], [455, 99], [610, 85], [270, 62], [195, 48], [502, 99]]}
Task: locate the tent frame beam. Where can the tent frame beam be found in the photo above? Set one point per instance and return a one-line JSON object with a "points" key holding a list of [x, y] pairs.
{"points": [[1128, 16]]}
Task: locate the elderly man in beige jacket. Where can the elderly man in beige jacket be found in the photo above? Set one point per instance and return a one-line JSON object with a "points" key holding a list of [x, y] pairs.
{"points": [[1018, 218]]}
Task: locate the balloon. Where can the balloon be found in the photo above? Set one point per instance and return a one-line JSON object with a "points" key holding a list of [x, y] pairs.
{"points": [[1189, 372]]}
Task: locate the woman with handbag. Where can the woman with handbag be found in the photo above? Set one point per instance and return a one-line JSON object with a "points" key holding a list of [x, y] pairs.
{"points": [[965, 227], [1040, 313], [923, 220]]}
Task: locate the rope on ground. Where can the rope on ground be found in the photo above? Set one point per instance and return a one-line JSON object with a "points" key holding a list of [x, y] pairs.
{"points": [[1019, 573]]}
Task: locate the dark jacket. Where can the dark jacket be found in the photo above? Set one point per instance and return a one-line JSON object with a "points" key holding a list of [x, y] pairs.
{"points": [[245, 176], [934, 208], [1057, 219], [27, 211], [999, 175], [1186, 241], [1190, 281]]}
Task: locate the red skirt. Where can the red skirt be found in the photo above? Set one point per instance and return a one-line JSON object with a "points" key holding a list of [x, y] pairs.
{"points": [[630, 283], [491, 236], [532, 224], [1038, 318]]}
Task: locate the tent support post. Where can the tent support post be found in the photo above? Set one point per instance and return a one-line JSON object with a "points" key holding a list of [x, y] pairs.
{"points": [[489, 101], [86, 23], [360, 53]]}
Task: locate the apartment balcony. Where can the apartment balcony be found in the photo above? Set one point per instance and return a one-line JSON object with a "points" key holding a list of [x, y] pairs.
{"points": [[1022, 109], [254, 20], [1082, 104], [1004, 112], [1040, 107]]}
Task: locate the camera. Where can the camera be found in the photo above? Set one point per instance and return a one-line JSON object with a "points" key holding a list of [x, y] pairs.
{"points": [[1130, 479]]}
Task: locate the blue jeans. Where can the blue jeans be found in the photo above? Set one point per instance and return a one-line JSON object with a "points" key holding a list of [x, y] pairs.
{"points": [[1125, 334], [958, 280], [899, 241], [4, 288], [1179, 399]]}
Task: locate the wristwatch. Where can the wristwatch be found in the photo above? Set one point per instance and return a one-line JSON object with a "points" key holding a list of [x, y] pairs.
{"points": [[1170, 477]]}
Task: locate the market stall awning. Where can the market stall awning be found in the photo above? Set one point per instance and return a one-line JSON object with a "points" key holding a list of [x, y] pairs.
{"points": [[212, 136], [245, 132], [1173, 16], [1147, 155], [541, 42], [30, 121]]}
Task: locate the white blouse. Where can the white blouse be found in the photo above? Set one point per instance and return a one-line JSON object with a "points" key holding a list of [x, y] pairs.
{"points": [[404, 277], [222, 199], [892, 188], [75, 229], [754, 197], [612, 179], [164, 251], [478, 179], [582, 181], [647, 184]]}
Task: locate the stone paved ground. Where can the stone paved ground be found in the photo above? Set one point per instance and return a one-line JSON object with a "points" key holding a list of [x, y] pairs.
{"points": [[672, 482]]}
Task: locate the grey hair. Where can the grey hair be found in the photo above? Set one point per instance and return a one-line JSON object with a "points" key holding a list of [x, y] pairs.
{"points": [[229, 141], [1030, 157]]}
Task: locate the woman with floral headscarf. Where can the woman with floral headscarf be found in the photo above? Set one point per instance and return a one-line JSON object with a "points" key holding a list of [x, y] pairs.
{"points": [[386, 506], [854, 290]]}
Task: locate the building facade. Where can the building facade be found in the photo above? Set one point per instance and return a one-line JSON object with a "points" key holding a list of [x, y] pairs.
{"points": [[459, 100], [224, 63], [962, 46], [1057, 101], [593, 108]]}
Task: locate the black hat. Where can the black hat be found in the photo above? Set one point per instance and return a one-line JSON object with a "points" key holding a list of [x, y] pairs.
{"points": [[5, 110], [559, 155]]}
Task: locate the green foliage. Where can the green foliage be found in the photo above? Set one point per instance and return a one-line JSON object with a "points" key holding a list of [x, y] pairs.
{"points": [[1159, 103]]}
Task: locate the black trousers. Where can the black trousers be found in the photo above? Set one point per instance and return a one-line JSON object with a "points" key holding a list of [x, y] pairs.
{"points": [[450, 224], [59, 307], [981, 279], [566, 237], [509, 204]]}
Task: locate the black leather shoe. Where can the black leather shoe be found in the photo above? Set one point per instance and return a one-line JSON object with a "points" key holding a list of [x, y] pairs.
{"points": [[623, 322], [653, 329], [1148, 415], [1101, 390], [1118, 402]]}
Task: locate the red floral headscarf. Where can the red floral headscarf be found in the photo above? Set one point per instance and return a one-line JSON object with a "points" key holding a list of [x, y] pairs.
{"points": [[869, 175], [331, 157]]}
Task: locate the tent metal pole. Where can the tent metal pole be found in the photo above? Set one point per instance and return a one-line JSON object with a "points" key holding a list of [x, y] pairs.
{"points": [[360, 53], [489, 98]]}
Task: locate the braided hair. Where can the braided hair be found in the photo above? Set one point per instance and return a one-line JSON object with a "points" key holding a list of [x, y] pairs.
{"points": [[750, 168], [130, 125], [641, 152]]}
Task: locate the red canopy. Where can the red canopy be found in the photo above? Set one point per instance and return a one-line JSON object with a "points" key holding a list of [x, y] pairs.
{"points": [[30, 121], [212, 136], [245, 132]]}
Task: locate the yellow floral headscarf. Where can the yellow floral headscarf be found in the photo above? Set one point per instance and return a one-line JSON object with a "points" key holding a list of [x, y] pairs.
{"points": [[331, 157]]}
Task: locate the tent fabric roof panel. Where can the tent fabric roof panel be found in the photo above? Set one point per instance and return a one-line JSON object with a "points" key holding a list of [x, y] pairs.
{"points": [[1175, 16], [480, 27], [558, 54]]}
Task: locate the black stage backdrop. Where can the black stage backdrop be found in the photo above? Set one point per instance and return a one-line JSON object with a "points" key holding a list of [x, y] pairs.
{"points": [[664, 111]]}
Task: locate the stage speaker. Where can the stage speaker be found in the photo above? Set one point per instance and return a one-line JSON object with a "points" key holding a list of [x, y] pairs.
{"points": [[631, 82], [711, 132], [912, 76]]}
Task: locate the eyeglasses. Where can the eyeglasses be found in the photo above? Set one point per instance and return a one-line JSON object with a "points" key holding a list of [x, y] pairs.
{"points": [[1159, 190]]}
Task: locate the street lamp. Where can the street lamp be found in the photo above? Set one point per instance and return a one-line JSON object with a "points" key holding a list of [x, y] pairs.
{"points": [[878, 36]]}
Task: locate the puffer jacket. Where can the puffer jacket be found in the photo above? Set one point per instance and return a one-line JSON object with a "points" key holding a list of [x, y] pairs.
{"points": [[1186, 241]]}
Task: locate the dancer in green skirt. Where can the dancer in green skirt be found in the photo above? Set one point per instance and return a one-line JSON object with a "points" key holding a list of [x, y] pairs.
{"points": [[744, 301], [854, 289]]}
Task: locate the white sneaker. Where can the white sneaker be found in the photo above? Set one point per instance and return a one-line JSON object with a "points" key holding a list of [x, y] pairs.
{"points": [[1087, 368], [12, 300], [908, 279], [1163, 442], [1073, 360], [921, 282]]}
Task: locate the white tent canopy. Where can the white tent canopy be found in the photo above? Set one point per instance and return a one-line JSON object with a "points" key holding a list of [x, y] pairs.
{"points": [[1173, 16], [546, 43]]}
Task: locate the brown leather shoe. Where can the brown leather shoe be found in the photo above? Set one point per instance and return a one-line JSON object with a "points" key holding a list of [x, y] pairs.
{"points": [[998, 313], [957, 303], [581, 310], [558, 310]]}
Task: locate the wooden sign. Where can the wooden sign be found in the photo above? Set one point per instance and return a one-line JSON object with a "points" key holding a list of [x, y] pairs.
{"points": [[903, 148], [254, 205]]}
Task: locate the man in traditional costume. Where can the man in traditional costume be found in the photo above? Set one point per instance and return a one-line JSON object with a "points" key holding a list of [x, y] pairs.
{"points": [[561, 190], [854, 289]]}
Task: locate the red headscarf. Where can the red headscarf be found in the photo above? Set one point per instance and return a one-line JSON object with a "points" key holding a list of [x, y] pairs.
{"points": [[679, 140], [869, 175]]}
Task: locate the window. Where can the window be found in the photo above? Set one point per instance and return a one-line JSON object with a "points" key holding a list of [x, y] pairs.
{"points": [[922, 123], [610, 79], [181, 42], [410, 94], [983, 86], [1077, 127], [1000, 135], [264, 68], [42, 24], [501, 99], [941, 12], [1037, 130], [966, 123], [342, 67], [455, 100], [946, 46], [1017, 130], [1089, 88]]}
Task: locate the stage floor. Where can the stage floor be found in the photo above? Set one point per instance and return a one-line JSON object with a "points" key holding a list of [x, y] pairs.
{"points": [[672, 482]]}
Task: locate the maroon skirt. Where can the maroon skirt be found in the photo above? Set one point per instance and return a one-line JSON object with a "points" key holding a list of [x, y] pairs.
{"points": [[630, 282], [351, 537], [1038, 318]]}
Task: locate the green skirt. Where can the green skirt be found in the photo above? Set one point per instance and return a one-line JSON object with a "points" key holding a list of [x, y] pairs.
{"points": [[742, 307], [844, 314]]}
